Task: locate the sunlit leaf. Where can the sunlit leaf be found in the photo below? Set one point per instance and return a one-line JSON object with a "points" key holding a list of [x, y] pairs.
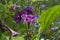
{"points": [[49, 16]]}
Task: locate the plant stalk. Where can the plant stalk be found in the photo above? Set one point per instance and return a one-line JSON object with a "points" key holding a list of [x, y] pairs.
{"points": [[28, 32]]}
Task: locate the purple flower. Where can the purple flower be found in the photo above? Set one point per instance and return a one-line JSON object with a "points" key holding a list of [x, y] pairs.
{"points": [[26, 15], [28, 18], [29, 9], [18, 17], [36, 16], [13, 6]]}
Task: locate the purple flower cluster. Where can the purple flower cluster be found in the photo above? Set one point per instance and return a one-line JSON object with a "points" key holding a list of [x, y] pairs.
{"points": [[26, 15], [17, 16]]}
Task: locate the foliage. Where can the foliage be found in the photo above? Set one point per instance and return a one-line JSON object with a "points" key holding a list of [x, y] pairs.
{"points": [[46, 16], [49, 16]]}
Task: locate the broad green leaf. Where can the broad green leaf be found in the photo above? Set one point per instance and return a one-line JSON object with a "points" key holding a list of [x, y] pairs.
{"points": [[48, 17]]}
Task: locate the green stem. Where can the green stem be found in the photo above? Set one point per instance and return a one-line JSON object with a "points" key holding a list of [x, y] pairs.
{"points": [[10, 36], [28, 33]]}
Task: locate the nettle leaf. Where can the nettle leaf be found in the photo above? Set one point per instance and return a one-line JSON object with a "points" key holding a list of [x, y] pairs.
{"points": [[48, 17]]}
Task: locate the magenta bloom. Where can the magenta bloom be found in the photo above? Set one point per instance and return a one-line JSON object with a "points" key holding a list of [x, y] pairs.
{"points": [[28, 18]]}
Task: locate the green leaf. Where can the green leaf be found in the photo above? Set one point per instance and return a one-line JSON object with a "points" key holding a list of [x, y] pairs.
{"points": [[48, 17]]}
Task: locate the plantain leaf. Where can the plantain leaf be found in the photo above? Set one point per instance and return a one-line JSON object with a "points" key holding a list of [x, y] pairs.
{"points": [[48, 17]]}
